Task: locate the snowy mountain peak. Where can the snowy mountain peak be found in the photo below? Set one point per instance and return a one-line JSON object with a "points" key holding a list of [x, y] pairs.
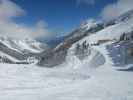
{"points": [[22, 45], [90, 23]]}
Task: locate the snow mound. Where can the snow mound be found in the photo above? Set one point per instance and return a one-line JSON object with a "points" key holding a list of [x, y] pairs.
{"points": [[94, 60]]}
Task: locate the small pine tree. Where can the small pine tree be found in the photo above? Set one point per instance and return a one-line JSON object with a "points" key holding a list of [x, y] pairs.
{"points": [[77, 46], [122, 37]]}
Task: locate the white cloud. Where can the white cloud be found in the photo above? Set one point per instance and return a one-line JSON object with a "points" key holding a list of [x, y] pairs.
{"points": [[116, 9], [89, 2], [8, 27], [9, 10]]}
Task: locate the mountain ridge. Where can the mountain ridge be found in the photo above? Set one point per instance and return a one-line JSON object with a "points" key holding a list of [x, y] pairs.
{"points": [[91, 29]]}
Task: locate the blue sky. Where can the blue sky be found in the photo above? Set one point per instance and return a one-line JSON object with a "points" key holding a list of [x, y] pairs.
{"points": [[46, 18], [61, 15]]}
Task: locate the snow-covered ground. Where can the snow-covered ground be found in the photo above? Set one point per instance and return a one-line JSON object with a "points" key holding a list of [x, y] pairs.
{"points": [[73, 80]]}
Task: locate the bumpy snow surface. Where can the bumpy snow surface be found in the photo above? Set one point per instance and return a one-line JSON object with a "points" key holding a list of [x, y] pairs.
{"points": [[94, 78]]}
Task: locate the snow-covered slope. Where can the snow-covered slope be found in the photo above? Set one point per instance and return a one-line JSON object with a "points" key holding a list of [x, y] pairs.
{"points": [[58, 54], [94, 31], [122, 24], [114, 31], [23, 45], [14, 50]]}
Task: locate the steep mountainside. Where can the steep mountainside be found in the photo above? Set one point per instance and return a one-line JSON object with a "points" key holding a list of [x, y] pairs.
{"points": [[122, 24], [92, 30]]}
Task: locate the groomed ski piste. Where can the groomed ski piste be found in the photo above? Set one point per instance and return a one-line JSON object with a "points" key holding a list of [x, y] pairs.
{"points": [[94, 78]]}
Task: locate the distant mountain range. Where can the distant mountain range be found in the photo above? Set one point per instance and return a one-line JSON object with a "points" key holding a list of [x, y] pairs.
{"points": [[17, 51]]}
